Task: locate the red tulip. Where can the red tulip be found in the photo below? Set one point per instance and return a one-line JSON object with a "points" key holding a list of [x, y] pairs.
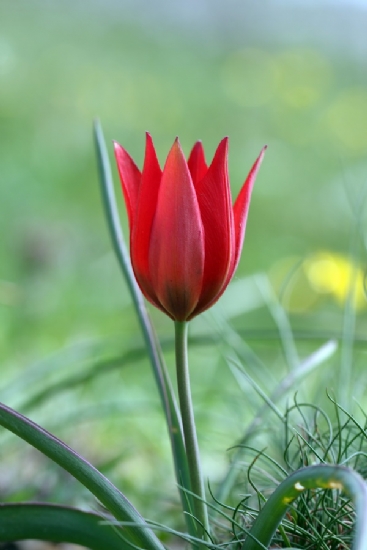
{"points": [[185, 236]]}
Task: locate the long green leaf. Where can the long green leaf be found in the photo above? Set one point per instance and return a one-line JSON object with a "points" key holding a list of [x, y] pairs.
{"points": [[119, 506], [55, 523], [167, 395]]}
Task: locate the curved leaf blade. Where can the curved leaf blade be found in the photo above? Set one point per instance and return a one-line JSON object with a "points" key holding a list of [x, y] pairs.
{"points": [[320, 476], [119, 506], [55, 523]]}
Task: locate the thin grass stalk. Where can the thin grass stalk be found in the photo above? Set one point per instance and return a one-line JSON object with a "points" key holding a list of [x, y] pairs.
{"points": [[152, 344], [306, 367]]}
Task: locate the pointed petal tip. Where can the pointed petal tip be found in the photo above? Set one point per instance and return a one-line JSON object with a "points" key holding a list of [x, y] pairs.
{"points": [[221, 151], [223, 147], [150, 153], [198, 145], [197, 149], [261, 155], [119, 150], [197, 163], [177, 146], [149, 140]]}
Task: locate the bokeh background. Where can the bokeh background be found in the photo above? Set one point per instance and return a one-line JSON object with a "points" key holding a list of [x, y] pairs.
{"points": [[289, 74]]}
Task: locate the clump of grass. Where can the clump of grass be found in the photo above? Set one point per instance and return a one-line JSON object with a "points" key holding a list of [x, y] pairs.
{"points": [[318, 519]]}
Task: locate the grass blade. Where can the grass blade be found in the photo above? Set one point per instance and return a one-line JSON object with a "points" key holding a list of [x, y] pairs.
{"points": [[290, 380], [167, 395]]}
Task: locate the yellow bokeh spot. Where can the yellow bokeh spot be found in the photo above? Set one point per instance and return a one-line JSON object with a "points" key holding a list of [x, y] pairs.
{"points": [[347, 120], [336, 275], [303, 75], [298, 78], [300, 283]]}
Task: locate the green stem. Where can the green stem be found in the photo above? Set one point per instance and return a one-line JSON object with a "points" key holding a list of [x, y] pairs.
{"points": [[320, 476], [189, 428]]}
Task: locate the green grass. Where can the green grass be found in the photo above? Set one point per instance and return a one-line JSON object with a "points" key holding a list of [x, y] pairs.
{"points": [[70, 348]]}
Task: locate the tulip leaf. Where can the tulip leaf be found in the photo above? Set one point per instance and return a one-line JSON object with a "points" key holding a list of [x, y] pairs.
{"points": [[55, 523], [163, 381], [137, 532]]}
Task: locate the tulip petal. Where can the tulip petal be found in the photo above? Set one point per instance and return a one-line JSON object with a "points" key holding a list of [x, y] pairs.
{"points": [[196, 163], [176, 254], [130, 177], [240, 211], [241, 207], [214, 197], [142, 227]]}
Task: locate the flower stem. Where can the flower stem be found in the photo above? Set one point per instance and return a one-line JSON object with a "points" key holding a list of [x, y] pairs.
{"points": [[191, 444]]}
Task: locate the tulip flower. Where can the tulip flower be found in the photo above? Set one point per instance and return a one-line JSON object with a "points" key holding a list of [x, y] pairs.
{"points": [[185, 236]]}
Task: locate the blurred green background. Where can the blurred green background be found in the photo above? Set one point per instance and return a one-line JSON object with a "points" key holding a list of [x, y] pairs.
{"points": [[288, 74]]}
